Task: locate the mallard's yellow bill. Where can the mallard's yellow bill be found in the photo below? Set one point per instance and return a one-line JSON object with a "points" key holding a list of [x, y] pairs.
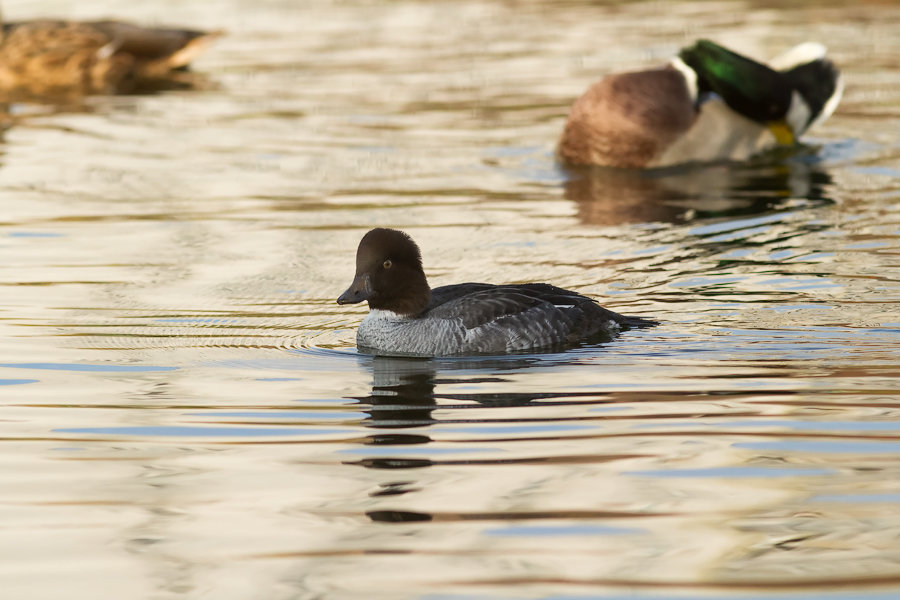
{"points": [[782, 133]]}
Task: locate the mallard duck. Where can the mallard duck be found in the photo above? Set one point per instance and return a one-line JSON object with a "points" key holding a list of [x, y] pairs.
{"points": [[50, 58], [707, 104]]}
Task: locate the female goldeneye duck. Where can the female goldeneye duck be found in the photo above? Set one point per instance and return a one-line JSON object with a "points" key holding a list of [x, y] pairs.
{"points": [[708, 104], [406, 317]]}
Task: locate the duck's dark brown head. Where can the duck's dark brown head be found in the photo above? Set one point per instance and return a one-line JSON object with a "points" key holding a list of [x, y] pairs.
{"points": [[389, 274]]}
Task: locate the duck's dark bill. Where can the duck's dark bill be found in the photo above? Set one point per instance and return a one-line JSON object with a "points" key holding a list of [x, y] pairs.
{"points": [[358, 291]]}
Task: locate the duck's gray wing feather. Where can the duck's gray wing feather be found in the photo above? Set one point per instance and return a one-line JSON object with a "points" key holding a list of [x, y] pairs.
{"points": [[494, 319], [587, 310]]}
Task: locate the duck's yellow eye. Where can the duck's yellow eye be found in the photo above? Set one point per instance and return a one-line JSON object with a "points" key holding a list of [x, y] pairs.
{"points": [[387, 264]]}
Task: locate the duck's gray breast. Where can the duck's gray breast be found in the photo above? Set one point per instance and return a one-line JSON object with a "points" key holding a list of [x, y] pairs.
{"points": [[388, 332]]}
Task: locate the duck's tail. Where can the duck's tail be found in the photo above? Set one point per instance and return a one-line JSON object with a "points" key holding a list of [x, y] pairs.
{"points": [[814, 77], [157, 50], [633, 322]]}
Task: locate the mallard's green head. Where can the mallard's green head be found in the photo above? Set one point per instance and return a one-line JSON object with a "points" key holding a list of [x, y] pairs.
{"points": [[753, 89], [804, 90]]}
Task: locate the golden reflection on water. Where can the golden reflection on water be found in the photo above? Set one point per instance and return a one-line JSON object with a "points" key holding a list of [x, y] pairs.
{"points": [[184, 413]]}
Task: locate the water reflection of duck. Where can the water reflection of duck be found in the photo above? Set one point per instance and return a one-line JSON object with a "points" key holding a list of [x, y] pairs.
{"points": [[403, 396], [606, 196], [48, 59], [406, 317], [403, 391], [707, 104]]}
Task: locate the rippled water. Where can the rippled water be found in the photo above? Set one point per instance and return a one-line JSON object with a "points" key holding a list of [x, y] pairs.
{"points": [[184, 412]]}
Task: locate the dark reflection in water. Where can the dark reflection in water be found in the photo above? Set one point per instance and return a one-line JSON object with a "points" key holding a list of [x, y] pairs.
{"points": [[607, 196], [403, 392], [403, 395]]}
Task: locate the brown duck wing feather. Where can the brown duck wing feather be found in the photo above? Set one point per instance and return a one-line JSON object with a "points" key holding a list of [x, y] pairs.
{"points": [[48, 57]]}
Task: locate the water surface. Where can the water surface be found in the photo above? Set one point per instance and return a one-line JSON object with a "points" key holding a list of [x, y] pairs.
{"points": [[185, 414]]}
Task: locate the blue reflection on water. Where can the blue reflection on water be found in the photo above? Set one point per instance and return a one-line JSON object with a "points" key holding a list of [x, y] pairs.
{"points": [[798, 306], [877, 170], [823, 446], [33, 234], [800, 425], [178, 430], [517, 428], [735, 224], [88, 367], [705, 280], [17, 381], [733, 472], [282, 414]]}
